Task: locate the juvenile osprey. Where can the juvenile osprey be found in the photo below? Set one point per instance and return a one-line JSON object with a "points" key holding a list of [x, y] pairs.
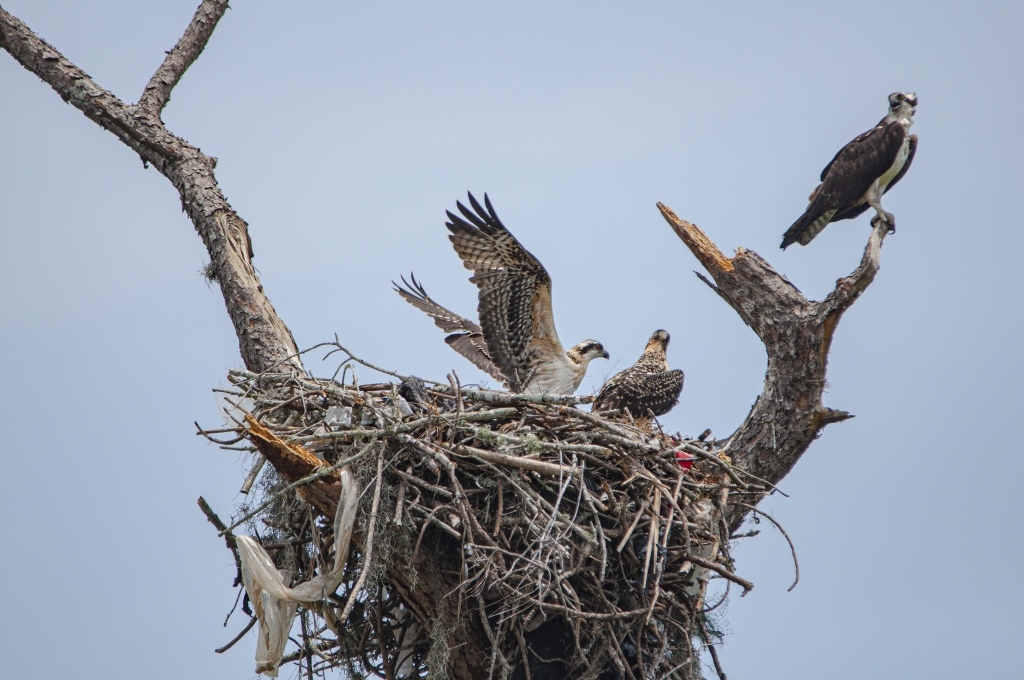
{"points": [[645, 386], [861, 172], [515, 341]]}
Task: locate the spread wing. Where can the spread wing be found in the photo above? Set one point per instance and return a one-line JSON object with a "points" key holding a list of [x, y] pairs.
{"points": [[515, 292], [466, 337], [639, 391], [846, 179]]}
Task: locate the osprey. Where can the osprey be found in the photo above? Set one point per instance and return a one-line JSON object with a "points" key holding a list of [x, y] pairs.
{"points": [[515, 341], [861, 172], [646, 386]]}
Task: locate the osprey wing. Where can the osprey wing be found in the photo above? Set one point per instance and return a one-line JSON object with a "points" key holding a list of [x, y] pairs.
{"points": [[846, 179], [856, 211], [639, 391], [515, 291], [911, 150], [466, 337]]}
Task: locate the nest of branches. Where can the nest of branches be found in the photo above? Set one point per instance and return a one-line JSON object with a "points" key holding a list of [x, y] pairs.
{"points": [[552, 523]]}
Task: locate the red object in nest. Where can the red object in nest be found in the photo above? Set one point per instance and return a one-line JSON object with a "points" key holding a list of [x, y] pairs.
{"points": [[685, 460]]}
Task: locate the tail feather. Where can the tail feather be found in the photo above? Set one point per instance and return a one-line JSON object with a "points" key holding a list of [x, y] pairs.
{"points": [[806, 228]]}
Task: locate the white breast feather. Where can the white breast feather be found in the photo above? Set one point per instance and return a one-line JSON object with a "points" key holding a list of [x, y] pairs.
{"points": [[558, 376], [901, 160]]}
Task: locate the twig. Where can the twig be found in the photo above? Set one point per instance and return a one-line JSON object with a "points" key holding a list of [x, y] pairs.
{"points": [[714, 652], [792, 548], [252, 622], [225, 532], [491, 397], [257, 466], [522, 651], [721, 571], [636, 520], [542, 467], [652, 534], [356, 359], [400, 502], [431, 519], [725, 596], [500, 512]]}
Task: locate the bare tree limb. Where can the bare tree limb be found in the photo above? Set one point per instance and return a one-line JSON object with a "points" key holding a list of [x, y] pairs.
{"points": [[158, 91], [797, 334], [264, 340]]}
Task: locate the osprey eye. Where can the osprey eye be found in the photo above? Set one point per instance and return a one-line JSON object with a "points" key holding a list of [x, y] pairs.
{"points": [[900, 97]]}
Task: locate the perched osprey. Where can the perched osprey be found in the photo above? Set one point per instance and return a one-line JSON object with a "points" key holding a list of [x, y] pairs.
{"points": [[861, 172], [515, 341], [645, 386]]}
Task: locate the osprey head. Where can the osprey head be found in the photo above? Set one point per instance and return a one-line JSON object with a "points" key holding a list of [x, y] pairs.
{"points": [[659, 340], [903, 104], [588, 350]]}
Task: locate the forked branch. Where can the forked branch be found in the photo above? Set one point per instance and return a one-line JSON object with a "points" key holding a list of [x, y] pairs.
{"points": [[797, 334], [264, 340]]}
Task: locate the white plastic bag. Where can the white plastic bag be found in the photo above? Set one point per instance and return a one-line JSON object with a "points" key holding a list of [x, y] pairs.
{"points": [[274, 602]]}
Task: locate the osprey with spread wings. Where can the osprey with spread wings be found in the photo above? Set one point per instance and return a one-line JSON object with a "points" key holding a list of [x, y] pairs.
{"points": [[861, 173], [515, 341]]}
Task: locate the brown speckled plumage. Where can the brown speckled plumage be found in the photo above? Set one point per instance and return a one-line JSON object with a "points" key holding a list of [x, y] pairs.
{"points": [[466, 337], [646, 386]]}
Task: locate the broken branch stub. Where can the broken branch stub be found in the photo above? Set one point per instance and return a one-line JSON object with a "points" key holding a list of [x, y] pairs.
{"points": [[797, 334]]}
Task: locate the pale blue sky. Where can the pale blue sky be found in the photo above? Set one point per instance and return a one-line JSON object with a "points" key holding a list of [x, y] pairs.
{"points": [[344, 131]]}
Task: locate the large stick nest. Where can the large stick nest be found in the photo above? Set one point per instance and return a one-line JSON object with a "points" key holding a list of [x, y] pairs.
{"points": [[545, 516]]}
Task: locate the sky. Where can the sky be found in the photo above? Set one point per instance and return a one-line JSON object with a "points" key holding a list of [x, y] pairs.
{"points": [[345, 130]]}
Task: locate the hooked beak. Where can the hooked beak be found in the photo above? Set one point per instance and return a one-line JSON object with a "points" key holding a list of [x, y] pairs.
{"points": [[604, 354]]}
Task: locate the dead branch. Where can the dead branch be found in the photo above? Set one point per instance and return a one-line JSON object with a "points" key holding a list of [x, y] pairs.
{"points": [[797, 334], [264, 340]]}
